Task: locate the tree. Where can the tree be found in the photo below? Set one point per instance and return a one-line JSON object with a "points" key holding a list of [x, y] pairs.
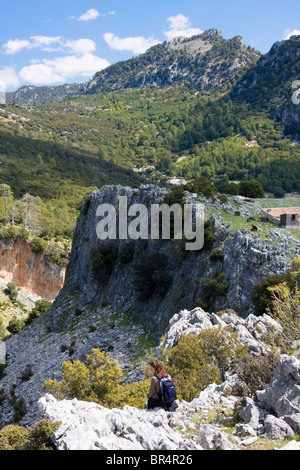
{"points": [[98, 380], [285, 309], [31, 210], [252, 189]]}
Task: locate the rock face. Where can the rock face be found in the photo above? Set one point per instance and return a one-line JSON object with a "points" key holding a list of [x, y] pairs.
{"points": [[29, 270], [282, 395], [87, 426], [277, 412], [247, 258]]}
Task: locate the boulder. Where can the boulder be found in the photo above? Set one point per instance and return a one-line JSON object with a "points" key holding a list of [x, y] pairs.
{"points": [[282, 396]]}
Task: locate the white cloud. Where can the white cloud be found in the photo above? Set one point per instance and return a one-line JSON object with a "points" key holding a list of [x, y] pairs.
{"points": [[13, 46], [289, 33], [137, 44], [81, 46], [44, 41], [62, 69], [8, 78], [89, 15], [180, 25]]}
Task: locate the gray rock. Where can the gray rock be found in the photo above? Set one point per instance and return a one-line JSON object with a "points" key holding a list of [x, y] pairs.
{"points": [[212, 438], [245, 430], [282, 395], [276, 428], [2, 353], [88, 426]]}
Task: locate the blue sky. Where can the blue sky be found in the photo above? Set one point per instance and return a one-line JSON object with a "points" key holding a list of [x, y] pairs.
{"points": [[52, 42]]}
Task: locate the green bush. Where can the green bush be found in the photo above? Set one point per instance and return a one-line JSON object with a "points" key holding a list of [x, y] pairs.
{"points": [[126, 253], [255, 372], [38, 245], [209, 236], [40, 306], [261, 295], [150, 276], [252, 189], [216, 255], [199, 360], [104, 258], [15, 325], [16, 438], [214, 287], [12, 291]]}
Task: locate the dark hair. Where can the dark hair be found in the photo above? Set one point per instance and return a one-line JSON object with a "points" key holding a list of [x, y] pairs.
{"points": [[159, 368]]}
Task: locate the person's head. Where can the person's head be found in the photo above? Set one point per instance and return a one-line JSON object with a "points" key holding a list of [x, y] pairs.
{"points": [[157, 368]]}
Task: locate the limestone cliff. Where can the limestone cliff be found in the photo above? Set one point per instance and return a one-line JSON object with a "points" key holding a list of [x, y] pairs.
{"points": [[29, 270]]}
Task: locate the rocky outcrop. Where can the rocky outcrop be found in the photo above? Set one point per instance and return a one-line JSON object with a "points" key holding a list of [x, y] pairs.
{"points": [[29, 270], [247, 259], [87, 426], [252, 331]]}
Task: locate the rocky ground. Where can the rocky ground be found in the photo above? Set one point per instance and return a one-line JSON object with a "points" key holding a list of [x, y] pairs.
{"points": [[204, 424]]}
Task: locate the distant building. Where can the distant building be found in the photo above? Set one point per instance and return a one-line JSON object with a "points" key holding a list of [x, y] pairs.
{"points": [[177, 182], [287, 217]]}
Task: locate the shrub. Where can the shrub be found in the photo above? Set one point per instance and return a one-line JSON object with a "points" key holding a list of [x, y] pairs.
{"points": [[150, 277], [38, 245], [126, 253], [15, 437], [252, 189], [285, 309], [209, 236], [104, 257], [213, 288], [15, 325], [255, 372], [199, 360], [216, 255], [12, 291], [40, 307], [98, 380], [261, 295]]}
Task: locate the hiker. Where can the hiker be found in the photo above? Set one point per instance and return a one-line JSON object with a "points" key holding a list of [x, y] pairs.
{"points": [[162, 392]]}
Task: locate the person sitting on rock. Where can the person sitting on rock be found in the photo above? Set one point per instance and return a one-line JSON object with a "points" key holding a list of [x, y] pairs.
{"points": [[154, 400], [162, 392]]}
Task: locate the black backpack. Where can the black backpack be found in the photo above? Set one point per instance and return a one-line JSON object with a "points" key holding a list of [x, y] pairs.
{"points": [[167, 391]]}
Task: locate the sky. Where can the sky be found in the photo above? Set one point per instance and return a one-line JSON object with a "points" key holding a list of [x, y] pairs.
{"points": [[52, 42]]}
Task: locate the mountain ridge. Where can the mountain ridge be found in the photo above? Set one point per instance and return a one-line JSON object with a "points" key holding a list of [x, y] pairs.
{"points": [[205, 62]]}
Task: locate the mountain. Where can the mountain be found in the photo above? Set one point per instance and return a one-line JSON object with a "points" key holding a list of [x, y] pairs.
{"points": [[268, 86], [44, 94], [206, 62]]}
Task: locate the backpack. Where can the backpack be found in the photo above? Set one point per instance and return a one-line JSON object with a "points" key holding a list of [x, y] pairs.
{"points": [[167, 391]]}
